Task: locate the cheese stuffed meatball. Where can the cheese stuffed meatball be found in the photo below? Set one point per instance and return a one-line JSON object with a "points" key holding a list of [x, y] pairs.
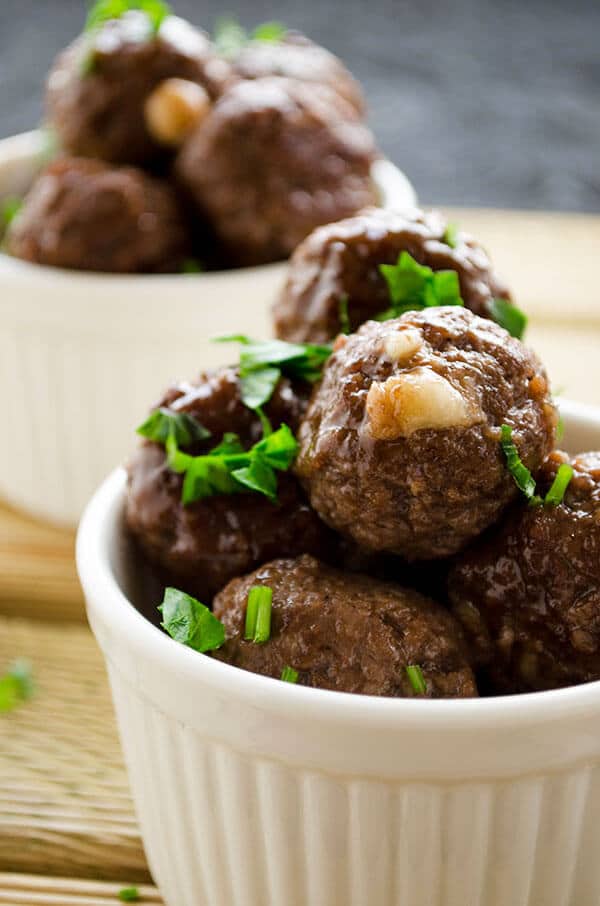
{"points": [[346, 632], [400, 446]]}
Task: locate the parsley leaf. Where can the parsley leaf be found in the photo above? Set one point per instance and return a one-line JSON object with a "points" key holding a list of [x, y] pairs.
{"points": [[269, 32], [129, 895], [164, 423], [417, 680], [509, 317], [190, 622], [450, 236], [523, 478], [104, 10], [558, 488], [413, 286], [230, 37], [16, 686]]}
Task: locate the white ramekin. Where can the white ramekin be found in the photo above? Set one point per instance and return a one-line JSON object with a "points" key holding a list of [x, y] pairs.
{"points": [[83, 355], [253, 792]]}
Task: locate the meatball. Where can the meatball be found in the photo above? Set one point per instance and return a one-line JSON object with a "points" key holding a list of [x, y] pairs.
{"points": [[528, 594], [99, 86], [87, 215], [346, 632], [400, 446], [201, 546], [341, 261], [274, 159], [297, 57]]}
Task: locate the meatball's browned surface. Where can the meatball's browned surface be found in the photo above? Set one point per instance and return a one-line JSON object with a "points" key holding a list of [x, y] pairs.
{"points": [[346, 632], [528, 594], [200, 547], [341, 261], [400, 446], [297, 57], [98, 86], [274, 159], [87, 215]]}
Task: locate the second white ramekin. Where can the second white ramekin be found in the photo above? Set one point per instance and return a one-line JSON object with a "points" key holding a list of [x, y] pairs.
{"points": [[254, 792], [83, 355]]}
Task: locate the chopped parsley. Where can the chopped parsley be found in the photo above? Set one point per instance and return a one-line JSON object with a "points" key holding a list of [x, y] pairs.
{"points": [[289, 675], [417, 680], [523, 478], [190, 622], [344, 317], [103, 10], [263, 363], [16, 686], [413, 286], [558, 488], [164, 423], [229, 469], [509, 317], [258, 614], [129, 895], [450, 236], [230, 37]]}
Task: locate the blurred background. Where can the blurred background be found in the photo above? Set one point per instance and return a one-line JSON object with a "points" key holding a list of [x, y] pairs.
{"points": [[482, 102]]}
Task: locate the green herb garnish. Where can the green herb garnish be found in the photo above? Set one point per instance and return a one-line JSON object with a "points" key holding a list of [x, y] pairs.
{"points": [[417, 680], [190, 622], [16, 686], [129, 894], [258, 614], [289, 675], [560, 429], [413, 286], [229, 469], [192, 266], [561, 482], [103, 10], [263, 363], [509, 317], [163, 423], [230, 37], [344, 317], [523, 478], [9, 209], [450, 235]]}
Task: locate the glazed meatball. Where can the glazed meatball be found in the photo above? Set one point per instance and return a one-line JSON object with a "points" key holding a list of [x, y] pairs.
{"points": [[528, 594], [274, 159], [341, 261], [297, 57], [346, 632], [87, 215], [99, 87], [201, 546], [400, 446]]}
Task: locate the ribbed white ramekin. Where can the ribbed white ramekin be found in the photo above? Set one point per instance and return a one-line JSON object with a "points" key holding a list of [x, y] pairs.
{"points": [[253, 792], [82, 355]]}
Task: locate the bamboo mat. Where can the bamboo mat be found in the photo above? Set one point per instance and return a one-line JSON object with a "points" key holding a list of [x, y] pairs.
{"points": [[66, 816]]}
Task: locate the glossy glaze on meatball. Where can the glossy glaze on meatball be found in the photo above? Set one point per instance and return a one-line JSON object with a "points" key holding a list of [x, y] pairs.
{"points": [[98, 87], [274, 159], [341, 261], [200, 547], [88, 215], [400, 446], [346, 632], [528, 594], [297, 57]]}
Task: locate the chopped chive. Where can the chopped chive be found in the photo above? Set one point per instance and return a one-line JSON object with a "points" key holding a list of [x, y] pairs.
{"points": [[258, 614], [289, 675], [559, 486], [509, 317], [344, 317], [560, 429], [129, 894], [417, 680], [523, 478]]}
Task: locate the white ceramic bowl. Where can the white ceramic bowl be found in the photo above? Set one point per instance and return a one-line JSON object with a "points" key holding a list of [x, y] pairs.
{"points": [[83, 355], [254, 792]]}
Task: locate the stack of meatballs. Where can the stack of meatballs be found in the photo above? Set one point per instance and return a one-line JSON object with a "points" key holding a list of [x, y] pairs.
{"points": [[400, 537], [175, 156]]}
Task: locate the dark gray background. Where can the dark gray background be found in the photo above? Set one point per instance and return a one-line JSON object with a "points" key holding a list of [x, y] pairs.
{"points": [[481, 102]]}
